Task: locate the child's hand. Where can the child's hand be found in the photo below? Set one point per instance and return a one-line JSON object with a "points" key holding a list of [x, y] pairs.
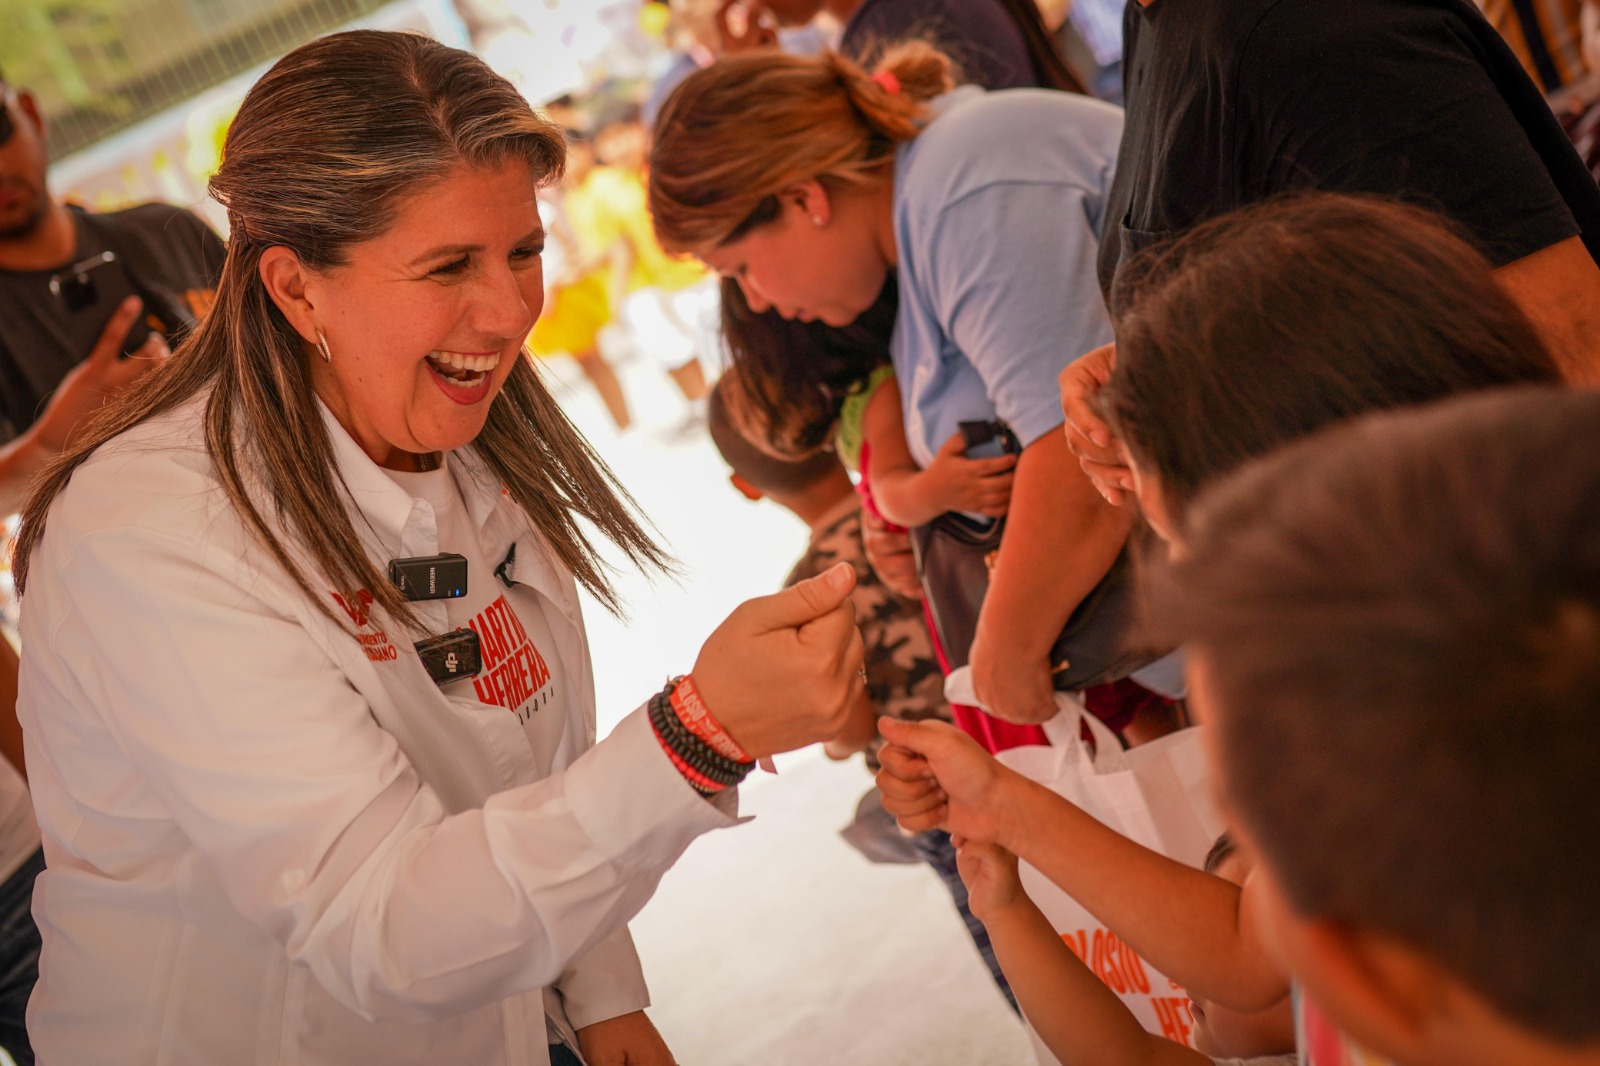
{"points": [[933, 775], [956, 483], [990, 874]]}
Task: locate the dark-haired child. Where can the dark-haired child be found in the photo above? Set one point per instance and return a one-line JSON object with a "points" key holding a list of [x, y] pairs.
{"points": [[1396, 634]]}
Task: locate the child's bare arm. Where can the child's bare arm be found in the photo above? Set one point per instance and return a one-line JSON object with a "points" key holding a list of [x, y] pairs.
{"points": [[1185, 922], [911, 496], [1079, 1019], [892, 471]]}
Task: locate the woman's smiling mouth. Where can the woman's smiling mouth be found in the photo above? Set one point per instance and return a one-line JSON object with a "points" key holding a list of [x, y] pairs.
{"points": [[463, 376]]}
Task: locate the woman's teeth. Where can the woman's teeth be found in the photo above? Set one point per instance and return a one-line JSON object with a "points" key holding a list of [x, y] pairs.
{"points": [[466, 369]]}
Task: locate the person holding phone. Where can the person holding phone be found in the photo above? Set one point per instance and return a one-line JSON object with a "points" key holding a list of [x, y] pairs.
{"points": [[75, 287], [808, 180], [68, 310], [306, 688]]}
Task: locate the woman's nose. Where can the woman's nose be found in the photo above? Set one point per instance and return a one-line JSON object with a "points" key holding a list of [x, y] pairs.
{"points": [[502, 310]]}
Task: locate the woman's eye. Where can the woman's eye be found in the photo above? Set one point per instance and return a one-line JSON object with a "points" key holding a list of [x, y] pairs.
{"points": [[455, 266], [527, 252]]}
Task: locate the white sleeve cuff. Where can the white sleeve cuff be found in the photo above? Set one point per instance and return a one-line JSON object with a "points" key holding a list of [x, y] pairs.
{"points": [[605, 982], [633, 804]]}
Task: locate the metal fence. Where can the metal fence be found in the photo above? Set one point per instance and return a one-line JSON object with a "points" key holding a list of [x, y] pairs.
{"points": [[101, 66]]}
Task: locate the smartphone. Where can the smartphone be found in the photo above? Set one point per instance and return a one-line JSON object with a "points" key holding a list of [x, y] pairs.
{"points": [[89, 292], [987, 440]]}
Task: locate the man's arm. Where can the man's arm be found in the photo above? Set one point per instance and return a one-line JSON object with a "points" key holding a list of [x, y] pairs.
{"points": [[1061, 538]]}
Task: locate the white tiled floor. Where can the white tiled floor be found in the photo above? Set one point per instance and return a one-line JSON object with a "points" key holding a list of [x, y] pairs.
{"points": [[773, 944]]}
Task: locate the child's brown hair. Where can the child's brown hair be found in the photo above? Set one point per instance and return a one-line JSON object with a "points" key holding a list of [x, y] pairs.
{"points": [[1398, 629], [1266, 324]]}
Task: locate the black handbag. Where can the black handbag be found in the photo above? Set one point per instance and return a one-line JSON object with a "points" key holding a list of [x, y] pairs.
{"points": [[954, 554]]}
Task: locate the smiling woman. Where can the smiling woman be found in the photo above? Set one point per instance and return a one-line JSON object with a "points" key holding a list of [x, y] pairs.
{"points": [[424, 324], [307, 694]]}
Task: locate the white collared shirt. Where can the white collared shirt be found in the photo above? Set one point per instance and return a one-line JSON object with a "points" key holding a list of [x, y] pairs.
{"points": [[271, 839]]}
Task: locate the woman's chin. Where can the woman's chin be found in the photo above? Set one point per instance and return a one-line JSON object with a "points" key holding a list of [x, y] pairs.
{"points": [[452, 433]]}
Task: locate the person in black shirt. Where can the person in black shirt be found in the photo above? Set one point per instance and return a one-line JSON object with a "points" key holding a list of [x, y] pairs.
{"points": [[998, 44], [46, 387], [1236, 101]]}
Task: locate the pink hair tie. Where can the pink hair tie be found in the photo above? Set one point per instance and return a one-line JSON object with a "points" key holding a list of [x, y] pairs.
{"points": [[887, 80]]}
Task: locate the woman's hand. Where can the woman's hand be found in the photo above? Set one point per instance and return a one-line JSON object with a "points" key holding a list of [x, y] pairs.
{"points": [[955, 483], [990, 874], [889, 554], [1090, 439], [935, 776], [1012, 684], [785, 670], [626, 1040]]}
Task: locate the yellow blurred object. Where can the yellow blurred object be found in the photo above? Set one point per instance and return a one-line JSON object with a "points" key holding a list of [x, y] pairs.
{"points": [[572, 320], [654, 19], [609, 206]]}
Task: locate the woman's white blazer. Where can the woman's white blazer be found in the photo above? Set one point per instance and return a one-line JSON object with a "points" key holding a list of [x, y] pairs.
{"points": [[270, 837]]}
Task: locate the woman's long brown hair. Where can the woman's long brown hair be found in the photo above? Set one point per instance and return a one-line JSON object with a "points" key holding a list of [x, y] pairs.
{"points": [[325, 148]]}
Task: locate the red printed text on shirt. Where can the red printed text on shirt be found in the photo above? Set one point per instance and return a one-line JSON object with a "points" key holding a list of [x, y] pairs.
{"points": [[374, 641], [515, 674]]}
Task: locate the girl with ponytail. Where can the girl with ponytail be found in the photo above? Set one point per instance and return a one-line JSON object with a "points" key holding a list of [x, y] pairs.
{"points": [[808, 180]]}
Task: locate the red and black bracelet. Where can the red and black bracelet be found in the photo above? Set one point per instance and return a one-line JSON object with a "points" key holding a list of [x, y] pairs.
{"points": [[705, 768]]}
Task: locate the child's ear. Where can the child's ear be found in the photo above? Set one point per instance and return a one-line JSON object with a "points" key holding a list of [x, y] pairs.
{"points": [[749, 491], [1385, 993]]}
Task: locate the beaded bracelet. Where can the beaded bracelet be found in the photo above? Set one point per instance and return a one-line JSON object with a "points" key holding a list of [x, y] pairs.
{"points": [[690, 749], [703, 766], [697, 772]]}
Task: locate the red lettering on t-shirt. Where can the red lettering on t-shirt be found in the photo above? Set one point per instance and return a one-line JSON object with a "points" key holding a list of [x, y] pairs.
{"points": [[514, 670], [494, 648], [513, 624]]}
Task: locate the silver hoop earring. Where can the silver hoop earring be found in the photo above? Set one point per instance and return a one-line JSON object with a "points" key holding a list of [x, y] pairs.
{"points": [[322, 346]]}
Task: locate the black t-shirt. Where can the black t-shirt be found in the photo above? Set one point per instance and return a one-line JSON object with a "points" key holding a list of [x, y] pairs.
{"points": [[169, 252], [1232, 101], [979, 35]]}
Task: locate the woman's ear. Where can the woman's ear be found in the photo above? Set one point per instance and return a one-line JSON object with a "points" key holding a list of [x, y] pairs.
{"points": [[811, 200], [287, 281]]}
